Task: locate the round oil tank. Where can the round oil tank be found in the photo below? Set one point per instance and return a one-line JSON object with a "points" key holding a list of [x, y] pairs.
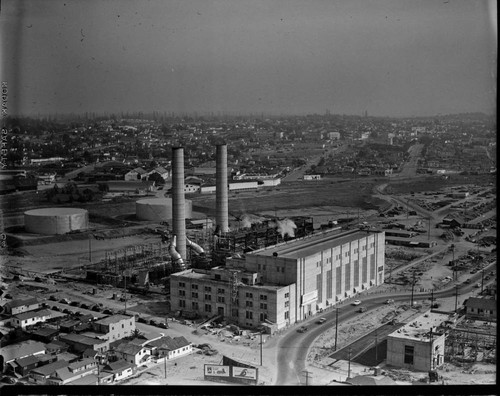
{"points": [[159, 209], [53, 221]]}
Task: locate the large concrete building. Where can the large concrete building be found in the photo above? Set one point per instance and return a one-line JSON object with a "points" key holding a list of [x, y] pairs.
{"points": [[285, 283]]}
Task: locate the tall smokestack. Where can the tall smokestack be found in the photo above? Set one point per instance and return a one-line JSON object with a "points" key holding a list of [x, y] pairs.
{"points": [[221, 202], [178, 201]]}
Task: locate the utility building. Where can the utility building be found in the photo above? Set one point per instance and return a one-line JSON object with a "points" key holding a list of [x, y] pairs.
{"points": [[419, 345], [285, 283]]}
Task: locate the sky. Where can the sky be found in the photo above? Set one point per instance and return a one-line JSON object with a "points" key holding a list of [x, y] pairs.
{"points": [[386, 57]]}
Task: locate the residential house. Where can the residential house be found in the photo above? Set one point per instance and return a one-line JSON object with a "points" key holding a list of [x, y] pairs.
{"points": [[41, 374], [481, 308], [120, 369], [136, 174], [170, 347], [30, 318], [73, 372], [79, 343], [20, 350], [18, 306], [56, 347], [45, 334], [133, 353], [23, 366], [115, 327]]}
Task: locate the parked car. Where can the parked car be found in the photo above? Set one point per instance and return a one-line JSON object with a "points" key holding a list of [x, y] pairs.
{"points": [[142, 320], [356, 302], [321, 320], [302, 329], [362, 309], [389, 301], [477, 285]]}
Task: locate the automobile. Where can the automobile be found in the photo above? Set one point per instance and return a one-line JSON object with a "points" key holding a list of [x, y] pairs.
{"points": [[468, 281], [153, 323], [107, 312], [302, 329], [389, 301], [142, 320], [74, 303], [96, 308], [321, 320], [356, 302], [53, 298], [477, 285], [362, 309], [84, 306], [163, 325]]}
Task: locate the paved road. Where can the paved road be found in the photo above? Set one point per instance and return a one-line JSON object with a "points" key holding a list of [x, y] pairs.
{"points": [[293, 346]]}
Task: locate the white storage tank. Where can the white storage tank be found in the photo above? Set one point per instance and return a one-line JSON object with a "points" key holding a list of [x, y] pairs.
{"points": [[159, 209], [53, 221]]}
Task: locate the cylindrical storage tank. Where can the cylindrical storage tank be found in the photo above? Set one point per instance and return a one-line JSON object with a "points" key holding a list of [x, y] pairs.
{"points": [[221, 198], [178, 200], [52, 221], [159, 209]]}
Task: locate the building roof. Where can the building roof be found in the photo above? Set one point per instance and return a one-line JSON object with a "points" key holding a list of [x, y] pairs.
{"points": [[113, 319], [169, 343], [371, 380], [419, 328], [118, 366], [32, 314], [22, 349], [21, 302], [90, 379], [129, 348], [483, 303], [45, 332], [50, 368], [81, 339], [81, 363], [304, 247], [27, 361]]}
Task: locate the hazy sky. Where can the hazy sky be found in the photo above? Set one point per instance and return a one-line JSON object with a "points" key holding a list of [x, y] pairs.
{"points": [[388, 57]]}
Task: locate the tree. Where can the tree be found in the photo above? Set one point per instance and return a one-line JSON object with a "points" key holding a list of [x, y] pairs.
{"points": [[156, 177]]}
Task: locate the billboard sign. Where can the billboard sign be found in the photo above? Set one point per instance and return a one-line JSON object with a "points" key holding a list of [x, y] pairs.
{"points": [[243, 372], [213, 370]]}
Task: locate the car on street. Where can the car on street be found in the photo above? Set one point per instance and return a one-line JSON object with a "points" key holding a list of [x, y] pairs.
{"points": [[302, 329], [362, 309], [356, 302], [389, 301], [477, 285], [468, 281], [321, 320]]}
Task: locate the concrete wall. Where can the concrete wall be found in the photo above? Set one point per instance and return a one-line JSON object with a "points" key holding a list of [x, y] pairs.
{"points": [[422, 352]]}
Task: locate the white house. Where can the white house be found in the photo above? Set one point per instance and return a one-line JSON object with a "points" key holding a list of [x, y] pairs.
{"points": [[25, 319]]}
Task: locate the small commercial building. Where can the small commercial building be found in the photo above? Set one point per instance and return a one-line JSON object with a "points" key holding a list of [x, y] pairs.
{"points": [[31, 318], [115, 327], [21, 305], [419, 345]]}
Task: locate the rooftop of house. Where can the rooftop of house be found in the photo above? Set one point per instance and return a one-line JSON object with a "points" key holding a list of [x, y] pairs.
{"points": [[113, 319], [22, 349]]}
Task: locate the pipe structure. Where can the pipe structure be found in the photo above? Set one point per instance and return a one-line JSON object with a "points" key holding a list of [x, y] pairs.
{"points": [[221, 193], [178, 200], [176, 257], [197, 248]]}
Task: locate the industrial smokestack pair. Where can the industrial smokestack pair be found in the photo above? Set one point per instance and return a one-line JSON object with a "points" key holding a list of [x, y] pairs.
{"points": [[178, 197]]}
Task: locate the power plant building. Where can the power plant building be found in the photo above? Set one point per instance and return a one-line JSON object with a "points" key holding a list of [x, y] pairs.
{"points": [[285, 283]]}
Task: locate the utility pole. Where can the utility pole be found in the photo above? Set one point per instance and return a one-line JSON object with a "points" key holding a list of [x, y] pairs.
{"points": [[165, 364], [432, 299], [429, 229], [456, 298], [412, 286], [482, 279], [307, 373], [376, 347], [90, 250], [349, 364], [432, 359], [336, 326], [261, 347]]}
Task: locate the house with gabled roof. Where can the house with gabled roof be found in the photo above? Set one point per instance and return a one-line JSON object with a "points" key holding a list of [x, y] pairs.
{"points": [[21, 305], [41, 374], [73, 372], [133, 353], [481, 308], [120, 369], [170, 347], [30, 318], [16, 351], [136, 174]]}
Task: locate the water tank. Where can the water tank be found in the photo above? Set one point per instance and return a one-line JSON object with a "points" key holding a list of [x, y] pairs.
{"points": [[159, 209], [53, 221]]}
